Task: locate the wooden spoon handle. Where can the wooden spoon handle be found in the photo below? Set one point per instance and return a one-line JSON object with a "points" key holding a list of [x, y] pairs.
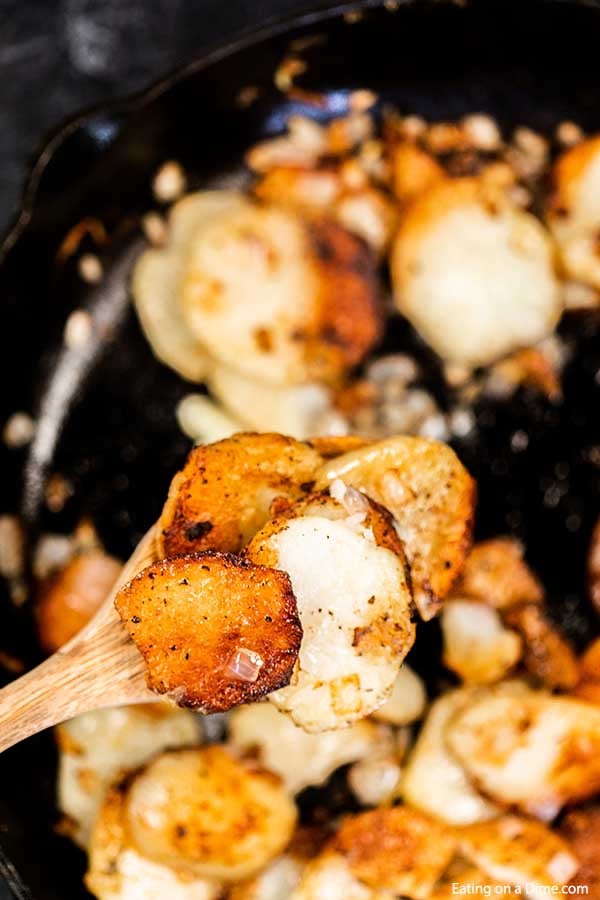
{"points": [[99, 667]]}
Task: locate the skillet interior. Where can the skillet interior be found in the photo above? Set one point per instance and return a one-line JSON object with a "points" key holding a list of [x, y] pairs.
{"points": [[111, 429]]}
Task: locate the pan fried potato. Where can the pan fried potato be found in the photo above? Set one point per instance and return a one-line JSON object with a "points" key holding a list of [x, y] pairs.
{"points": [[69, 600], [477, 646], [96, 747], [223, 494], [581, 829], [518, 851], [574, 212], [293, 411], [118, 871], [397, 849], [434, 781], [296, 299], [301, 760], [432, 498], [413, 171], [407, 701], [279, 879], [329, 876], [206, 811], [496, 573], [335, 445], [463, 878], [214, 630], [548, 656], [593, 568], [474, 273], [532, 750], [156, 283], [588, 685], [347, 570]]}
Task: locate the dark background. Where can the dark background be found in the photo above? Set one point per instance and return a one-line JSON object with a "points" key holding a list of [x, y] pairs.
{"points": [[59, 56]]}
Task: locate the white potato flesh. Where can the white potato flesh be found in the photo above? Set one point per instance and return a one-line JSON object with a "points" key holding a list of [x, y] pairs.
{"points": [[354, 604], [474, 275], [301, 759], [519, 851], [207, 811], [531, 749], [433, 780], [574, 215], [477, 646], [96, 746], [374, 780], [329, 878], [203, 421], [276, 882], [156, 284], [431, 496], [406, 702], [117, 871], [267, 407]]}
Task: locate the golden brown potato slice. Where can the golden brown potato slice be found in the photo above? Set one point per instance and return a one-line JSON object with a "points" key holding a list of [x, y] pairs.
{"points": [[496, 573], [118, 871], [329, 876], [474, 273], [223, 494], [207, 811], [96, 747], [581, 830], [434, 781], [413, 171], [69, 600], [347, 569], [396, 849], [574, 212], [518, 851], [301, 759], [531, 749], [593, 567], [296, 300], [477, 646], [215, 630], [432, 498], [307, 190], [156, 283], [548, 655]]}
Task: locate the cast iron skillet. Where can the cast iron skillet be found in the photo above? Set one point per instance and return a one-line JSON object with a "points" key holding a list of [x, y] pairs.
{"points": [[108, 418]]}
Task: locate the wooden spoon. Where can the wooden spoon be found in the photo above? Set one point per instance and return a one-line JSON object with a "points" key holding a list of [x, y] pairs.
{"points": [[99, 667]]}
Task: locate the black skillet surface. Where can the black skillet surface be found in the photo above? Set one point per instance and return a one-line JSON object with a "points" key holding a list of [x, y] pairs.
{"points": [[109, 424]]}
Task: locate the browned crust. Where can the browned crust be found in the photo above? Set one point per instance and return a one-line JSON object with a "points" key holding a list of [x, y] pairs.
{"points": [[349, 317], [222, 496], [548, 655], [581, 829], [496, 573], [190, 615]]}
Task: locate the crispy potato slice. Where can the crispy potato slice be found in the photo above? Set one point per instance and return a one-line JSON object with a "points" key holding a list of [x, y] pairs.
{"points": [[279, 879], [96, 747], [397, 849], [477, 646], [518, 851], [474, 273], [214, 630], [496, 573], [157, 278], [297, 299], [581, 830], [574, 213], [413, 171], [118, 871], [335, 445], [210, 813], [223, 494], [532, 750], [329, 876], [347, 570], [432, 498], [593, 567], [69, 600], [301, 759], [548, 655], [294, 410], [407, 701], [433, 780]]}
